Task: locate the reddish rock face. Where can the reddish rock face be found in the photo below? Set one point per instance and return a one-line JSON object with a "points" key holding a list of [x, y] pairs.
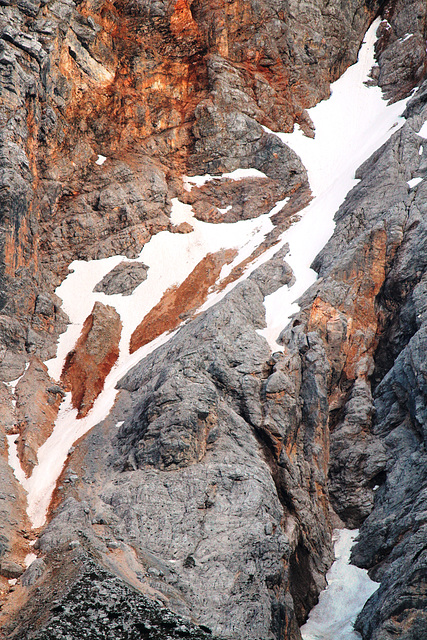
{"points": [[350, 329], [95, 353], [161, 89], [126, 79], [178, 302], [140, 84]]}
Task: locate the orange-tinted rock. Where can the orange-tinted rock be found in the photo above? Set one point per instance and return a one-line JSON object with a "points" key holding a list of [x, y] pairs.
{"points": [[93, 357], [179, 301], [128, 80], [229, 200], [37, 404], [183, 227], [350, 329], [14, 523]]}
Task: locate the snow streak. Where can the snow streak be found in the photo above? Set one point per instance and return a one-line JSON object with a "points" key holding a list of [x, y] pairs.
{"points": [[339, 604], [350, 126], [171, 257]]}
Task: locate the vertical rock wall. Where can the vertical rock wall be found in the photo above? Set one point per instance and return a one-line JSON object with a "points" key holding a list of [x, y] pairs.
{"points": [[213, 485]]}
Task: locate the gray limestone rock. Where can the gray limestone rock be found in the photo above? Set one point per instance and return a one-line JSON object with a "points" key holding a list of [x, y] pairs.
{"points": [[228, 140], [33, 572], [198, 480], [273, 273], [400, 50], [382, 475], [10, 569], [123, 279], [216, 494]]}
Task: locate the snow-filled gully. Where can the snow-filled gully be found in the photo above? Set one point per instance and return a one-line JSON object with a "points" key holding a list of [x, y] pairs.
{"points": [[350, 126], [339, 604]]}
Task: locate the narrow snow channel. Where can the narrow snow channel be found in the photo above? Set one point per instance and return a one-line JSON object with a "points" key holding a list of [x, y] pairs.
{"points": [[339, 604], [350, 126]]}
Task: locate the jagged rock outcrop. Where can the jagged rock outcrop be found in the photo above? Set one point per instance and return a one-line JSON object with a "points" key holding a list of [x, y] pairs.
{"points": [[383, 398], [142, 84], [86, 600], [37, 402], [13, 517], [392, 539], [401, 47], [94, 355], [124, 278], [210, 439], [215, 481]]}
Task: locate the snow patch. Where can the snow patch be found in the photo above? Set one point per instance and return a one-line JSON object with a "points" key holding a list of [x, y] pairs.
{"points": [[13, 459], [180, 252], [238, 174], [53, 453], [406, 37], [100, 160], [423, 131], [29, 559], [171, 257], [12, 384], [349, 127], [413, 183], [339, 604], [242, 174]]}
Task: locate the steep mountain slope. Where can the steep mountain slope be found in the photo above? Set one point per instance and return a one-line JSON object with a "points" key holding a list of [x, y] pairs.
{"points": [[207, 466]]}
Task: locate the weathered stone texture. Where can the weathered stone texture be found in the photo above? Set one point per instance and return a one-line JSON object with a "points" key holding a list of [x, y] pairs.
{"points": [[218, 493], [207, 479], [89, 363]]}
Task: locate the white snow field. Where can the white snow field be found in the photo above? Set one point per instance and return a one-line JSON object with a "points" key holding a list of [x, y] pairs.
{"points": [[339, 604], [350, 126], [238, 174]]}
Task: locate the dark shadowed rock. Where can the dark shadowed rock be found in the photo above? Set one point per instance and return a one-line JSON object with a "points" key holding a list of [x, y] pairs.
{"points": [[10, 569], [88, 600]]}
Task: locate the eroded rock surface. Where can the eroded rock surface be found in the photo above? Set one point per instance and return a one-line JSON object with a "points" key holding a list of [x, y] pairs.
{"points": [[381, 475], [178, 302], [89, 363], [86, 599], [209, 439], [123, 279], [37, 402], [214, 483]]}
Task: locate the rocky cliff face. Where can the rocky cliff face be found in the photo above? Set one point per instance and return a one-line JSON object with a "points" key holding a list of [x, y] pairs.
{"points": [[208, 494]]}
